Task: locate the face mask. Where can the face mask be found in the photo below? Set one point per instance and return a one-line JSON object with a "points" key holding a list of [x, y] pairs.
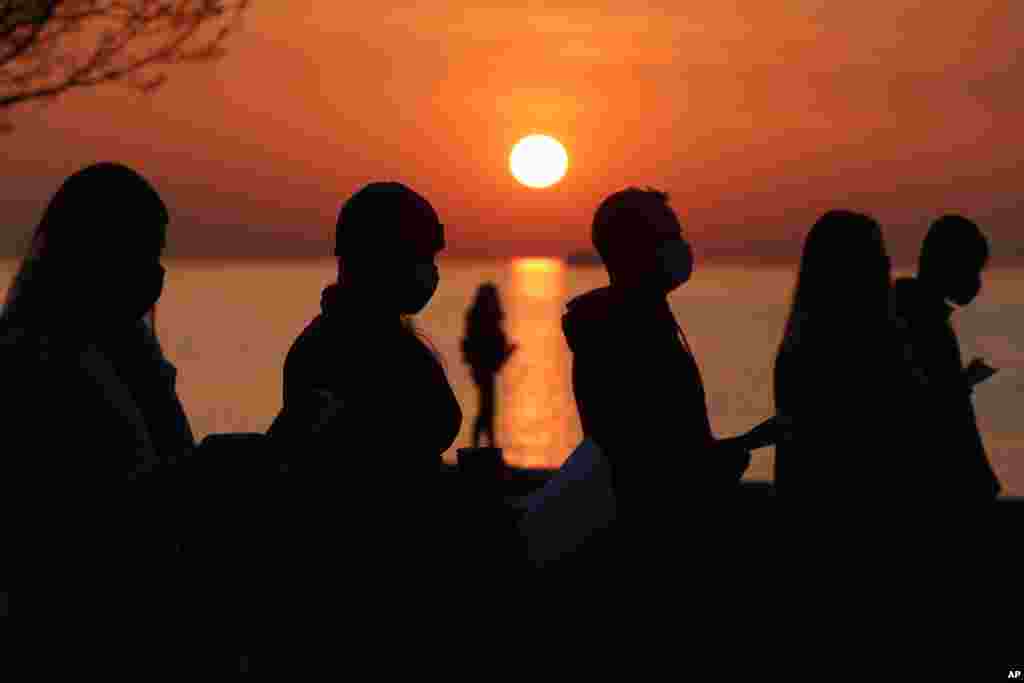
{"points": [[419, 288], [144, 292], [966, 291], [676, 261]]}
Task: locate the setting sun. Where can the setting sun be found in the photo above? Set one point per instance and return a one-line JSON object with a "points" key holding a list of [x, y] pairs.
{"points": [[538, 161]]}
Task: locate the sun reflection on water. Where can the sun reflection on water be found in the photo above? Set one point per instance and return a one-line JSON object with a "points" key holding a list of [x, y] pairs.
{"points": [[538, 416]]}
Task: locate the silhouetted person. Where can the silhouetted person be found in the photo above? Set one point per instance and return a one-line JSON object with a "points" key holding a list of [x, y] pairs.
{"points": [[92, 420], [637, 386], [368, 470], [953, 256], [839, 376], [486, 350]]}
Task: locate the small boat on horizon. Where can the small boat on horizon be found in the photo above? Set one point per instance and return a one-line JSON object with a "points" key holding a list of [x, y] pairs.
{"points": [[584, 258]]}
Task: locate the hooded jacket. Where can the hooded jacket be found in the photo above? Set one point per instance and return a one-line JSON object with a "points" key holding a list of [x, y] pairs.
{"points": [[640, 397]]}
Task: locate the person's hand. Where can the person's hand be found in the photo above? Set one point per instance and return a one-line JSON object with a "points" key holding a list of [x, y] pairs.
{"points": [[978, 371], [976, 364], [765, 434]]}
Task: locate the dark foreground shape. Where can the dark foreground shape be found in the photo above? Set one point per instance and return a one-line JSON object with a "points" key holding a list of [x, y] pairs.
{"points": [[523, 517]]}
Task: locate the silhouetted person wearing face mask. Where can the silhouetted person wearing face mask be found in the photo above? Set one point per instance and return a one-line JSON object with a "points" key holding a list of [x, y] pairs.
{"points": [[953, 256], [637, 385], [486, 350], [367, 475], [839, 377], [92, 415]]}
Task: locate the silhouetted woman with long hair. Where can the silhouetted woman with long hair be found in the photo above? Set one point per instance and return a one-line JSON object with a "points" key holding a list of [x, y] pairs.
{"points": [[92, 406], [838, 371], [486, 350]]}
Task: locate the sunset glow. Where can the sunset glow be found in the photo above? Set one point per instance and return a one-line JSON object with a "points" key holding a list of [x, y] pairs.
{"points": [[754, 117]]}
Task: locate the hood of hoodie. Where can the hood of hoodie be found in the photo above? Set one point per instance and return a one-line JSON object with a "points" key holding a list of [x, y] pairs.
{"points": [[601, 316]]}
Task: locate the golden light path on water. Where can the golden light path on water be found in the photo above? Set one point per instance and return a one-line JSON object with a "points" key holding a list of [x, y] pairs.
{"points": [[537, 418]]}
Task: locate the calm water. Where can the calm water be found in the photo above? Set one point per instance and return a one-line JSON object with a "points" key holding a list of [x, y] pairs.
{"points": [[228, 327]]}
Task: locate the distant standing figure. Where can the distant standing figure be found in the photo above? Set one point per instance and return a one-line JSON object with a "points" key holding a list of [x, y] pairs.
{"points": [[486, 350], [953, 256]]}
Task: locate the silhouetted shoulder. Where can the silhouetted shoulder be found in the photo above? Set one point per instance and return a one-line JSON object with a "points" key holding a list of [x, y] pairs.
{"points": [[42, 380], [315, 334], [595, 302], [587, 314], [23, 350], [905, 296]]}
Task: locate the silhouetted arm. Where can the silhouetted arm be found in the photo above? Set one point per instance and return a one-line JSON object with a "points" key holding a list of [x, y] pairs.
{"points": [[764, 434], [509, 350], [912, 345], [310, 422]]}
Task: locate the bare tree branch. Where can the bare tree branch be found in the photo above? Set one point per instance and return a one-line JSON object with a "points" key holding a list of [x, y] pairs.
{"points": [[49, 47]]}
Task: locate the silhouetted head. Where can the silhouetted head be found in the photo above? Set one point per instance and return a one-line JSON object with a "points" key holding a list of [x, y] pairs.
{"points": [[97, 247], [953, 255], [487, 304], [640, 240], [844, 275], [387, 239]]}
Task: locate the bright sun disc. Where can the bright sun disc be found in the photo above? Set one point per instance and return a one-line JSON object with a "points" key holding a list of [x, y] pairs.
{"points": [[538, 161]]}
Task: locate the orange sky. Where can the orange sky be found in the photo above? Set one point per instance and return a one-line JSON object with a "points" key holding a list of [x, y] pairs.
{"points": [[755, 116]]}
